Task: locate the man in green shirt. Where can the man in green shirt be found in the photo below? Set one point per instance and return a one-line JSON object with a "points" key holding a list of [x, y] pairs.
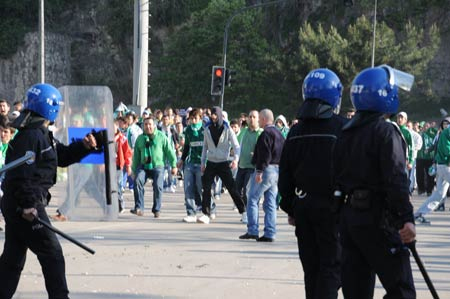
{"points": [[151, 150], [245, 167]]}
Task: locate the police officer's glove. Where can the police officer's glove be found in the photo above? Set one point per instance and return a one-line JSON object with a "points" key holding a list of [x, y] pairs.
{"points": [[99, 137], [29, 214]]}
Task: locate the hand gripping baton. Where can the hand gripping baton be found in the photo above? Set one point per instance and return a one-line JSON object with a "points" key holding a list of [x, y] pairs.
{"points": [[28, 157], [412, 247], [65, 236]]}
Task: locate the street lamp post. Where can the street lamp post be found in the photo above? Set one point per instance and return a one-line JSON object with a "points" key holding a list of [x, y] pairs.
{"points": [[374, 33], [41, 42], [227, 27]]}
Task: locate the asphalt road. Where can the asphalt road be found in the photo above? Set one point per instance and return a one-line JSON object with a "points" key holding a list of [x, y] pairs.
{"points": [[143, 257]]}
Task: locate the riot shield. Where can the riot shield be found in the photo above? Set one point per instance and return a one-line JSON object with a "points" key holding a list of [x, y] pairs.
{"points": [[90, 187]]}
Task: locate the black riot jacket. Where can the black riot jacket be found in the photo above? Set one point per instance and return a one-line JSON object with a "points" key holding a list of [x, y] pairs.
{"points": [[27, 185], [306, 163], [371, 155]]}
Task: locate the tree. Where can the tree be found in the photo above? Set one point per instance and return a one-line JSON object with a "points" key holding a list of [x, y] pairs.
{"points": [[347, 54]]}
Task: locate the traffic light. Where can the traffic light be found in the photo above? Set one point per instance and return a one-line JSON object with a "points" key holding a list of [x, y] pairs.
{"points": [[217, 80], [228, 75]]}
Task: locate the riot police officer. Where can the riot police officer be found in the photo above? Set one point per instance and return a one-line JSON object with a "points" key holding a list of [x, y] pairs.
{"points": [[26, 192], [377, 216], [306, 182]]}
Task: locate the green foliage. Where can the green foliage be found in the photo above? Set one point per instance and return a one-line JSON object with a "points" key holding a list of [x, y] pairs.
{"points": [[349, 53], [17, 19]]}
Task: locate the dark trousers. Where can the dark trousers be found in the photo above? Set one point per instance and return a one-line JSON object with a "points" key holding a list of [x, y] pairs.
{"points": [[318, 246], [425, 182], [242, 177], [369, 250], [21, 235], [223, 171]]}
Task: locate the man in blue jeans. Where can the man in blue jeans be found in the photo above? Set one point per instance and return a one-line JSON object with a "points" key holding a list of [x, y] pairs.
{"points": [[191, 159], [150, 151], [264, 180]]}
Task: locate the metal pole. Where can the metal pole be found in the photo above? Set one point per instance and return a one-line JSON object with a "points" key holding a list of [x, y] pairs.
{"points": [[28, 157], [64, 235], [41, 42], [374, 33], [225, 36], [412, 247]]}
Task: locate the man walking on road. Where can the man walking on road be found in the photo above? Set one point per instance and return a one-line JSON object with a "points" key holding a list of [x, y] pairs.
{"points": [[151, 151], [219, 139], [264, 180]]}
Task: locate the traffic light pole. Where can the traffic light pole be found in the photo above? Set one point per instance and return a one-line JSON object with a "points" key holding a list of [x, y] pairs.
{"points": [[227, 27]]}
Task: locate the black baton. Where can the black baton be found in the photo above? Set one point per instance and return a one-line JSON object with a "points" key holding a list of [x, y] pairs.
{"points": [[65, 236], [412, 247]]}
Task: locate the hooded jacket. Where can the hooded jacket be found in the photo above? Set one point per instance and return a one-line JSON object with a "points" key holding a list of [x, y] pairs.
{"points": [[218, 140]]}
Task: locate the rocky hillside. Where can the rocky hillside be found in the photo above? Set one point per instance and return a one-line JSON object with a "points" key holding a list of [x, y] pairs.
{"points": [[82, 49]]}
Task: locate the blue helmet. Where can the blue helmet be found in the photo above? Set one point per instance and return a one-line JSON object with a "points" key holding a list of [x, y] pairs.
{"points": [[323, 84], [373, 89], [43, 99]]}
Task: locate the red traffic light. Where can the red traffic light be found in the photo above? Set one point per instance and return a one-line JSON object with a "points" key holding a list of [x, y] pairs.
{"points": [[219, 73]]}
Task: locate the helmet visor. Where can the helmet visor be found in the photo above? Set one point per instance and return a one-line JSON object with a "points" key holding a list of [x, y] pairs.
{"points": [[398, 78]]}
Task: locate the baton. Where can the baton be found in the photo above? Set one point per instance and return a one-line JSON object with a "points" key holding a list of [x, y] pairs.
{"points": [[65, 236], [29, 156], [412, 247]]}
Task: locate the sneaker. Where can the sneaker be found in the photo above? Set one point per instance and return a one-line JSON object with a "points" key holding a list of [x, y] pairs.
{"points": [[190, 219], [235, 208], [203, 219], [59, 217], [172, 189], [244, 218], [212, 216], [156, 214], [265, 239], [137, 212], [217, 197], [247, 236], [441, 207], [422, 220]]}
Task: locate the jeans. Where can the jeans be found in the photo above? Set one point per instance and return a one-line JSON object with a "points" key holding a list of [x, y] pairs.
{"points": [[169, 180], [142, 175], [193, 189], [119, 176], [438, 196], [217, 186], [242, 178], [269, 188]]}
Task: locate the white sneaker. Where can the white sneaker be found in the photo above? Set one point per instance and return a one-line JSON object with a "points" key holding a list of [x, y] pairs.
{"points": [[190, 219], [172, 189], [217, 197], [235, 208], [212, 216], [203, 219], [244, 218]]}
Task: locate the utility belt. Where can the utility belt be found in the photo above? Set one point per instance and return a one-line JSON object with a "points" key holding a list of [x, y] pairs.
{"points": [[360, 199]]}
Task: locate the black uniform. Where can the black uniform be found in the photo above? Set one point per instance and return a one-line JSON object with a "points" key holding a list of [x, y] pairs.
{"points": [[371, 172], [306, 188], [26, 187]]}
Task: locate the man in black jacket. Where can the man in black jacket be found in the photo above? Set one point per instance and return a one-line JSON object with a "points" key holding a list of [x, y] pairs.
{"points": [[306, 182], [377, 216], [26, 193]]}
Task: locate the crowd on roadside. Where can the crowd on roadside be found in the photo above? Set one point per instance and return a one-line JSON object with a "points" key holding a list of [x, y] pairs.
{"points": [[179, 165]]}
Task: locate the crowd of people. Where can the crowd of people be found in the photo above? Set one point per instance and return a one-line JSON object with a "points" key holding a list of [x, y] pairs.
{"points": [[315, 168]]}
